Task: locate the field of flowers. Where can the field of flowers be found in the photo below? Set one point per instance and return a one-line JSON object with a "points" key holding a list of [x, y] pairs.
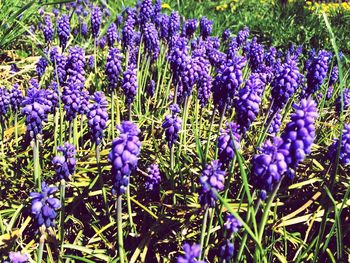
{"points": [[132, 133]]}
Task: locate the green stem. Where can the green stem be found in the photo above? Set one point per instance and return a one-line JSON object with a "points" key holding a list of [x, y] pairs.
{"points": [[129, 111], [128, 201], [204, 226], [111, 135], [120, 229], [220, 125], [16, 130], [209, 134], [41, 248], [211, 215], [37, 179], [101, 181]]}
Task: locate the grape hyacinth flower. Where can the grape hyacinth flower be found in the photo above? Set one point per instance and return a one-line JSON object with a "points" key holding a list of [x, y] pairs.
{"points": [[124, 156], [299, 134], [286, 82], [44, 206], [232, 224], [59, 62], [255, 54], [41, 66], [191, 254], [151, 87], [146, 11], [332, 80], [91, 62], [242, 36], [226, 35], [128, 31], [174, 24], [95, 20], [71, 99], [225, 145], [84, 30], [129, 83], [113, 67], [102, 42], [204, 89], [13, 68], [65, 164], [98, 116], [63, 30], [212, 181], [317, 72], [52, 96], [150, 35], [269, 166], [17, 257], [276, 123], [189, 28], [205, 26], [172, 125], [4, 101], [344, 157], [162, 23], [75, 66], [248, 102], [47, 29], [346, 101], [226, 251], [153, 177], [112, 35], [16, 98]]}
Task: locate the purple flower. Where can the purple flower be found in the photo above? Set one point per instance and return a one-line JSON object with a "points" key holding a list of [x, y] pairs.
{"points": [[65, 164], [204, 89], [150, 35], [276, 122], [14, 68], [84, 29], [174, 24], [162, 24], [317, 72], [248, 102], [346, 101], [102, 42], [63, 30], [75, 66], [4, 101], [72, 98], [270, 57], [226, 35], [232, 224], [95, 20], [153, 177], [225, 144], [91, 62], [255, 53], [212, 181], [205, 26], [59, 62], [189, 28], [344, 156], [113, 67], [242, 36], [146, 11], [112, 35], [128, 30], [286, 82], [52, 96], [172, 125], [98, 116], [41, 66], [191, 254], [269, 166], [47, 29], [16, 98], [226, 251], [151, 86], [18, 257], [299, 134], [44, 206], [124, 156], [129, 83]]}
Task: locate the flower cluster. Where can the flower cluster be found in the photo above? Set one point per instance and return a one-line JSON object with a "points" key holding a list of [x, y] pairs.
{"points": [[98, 116], [153, 177], [172, 125], [346, 101], [65, 164], [63, 30], [212, 181], [205, 26], [344, 156], [124, 155], [59, 62], [129, 83], [191, 254], [75, 66], [4, 101], [189, 28], [150, 35], [113, 67], [17, 257], [95, 21], [47, 29], [146, 11], [112, 34], [41, 66], [75, 101], [242, 36], [225, 144], [44, 206], [16, 98]]}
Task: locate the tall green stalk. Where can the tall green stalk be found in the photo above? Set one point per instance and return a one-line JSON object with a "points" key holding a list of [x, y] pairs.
{"points": [[37, 179], [62, 215], [203, 231], [120, 229]]}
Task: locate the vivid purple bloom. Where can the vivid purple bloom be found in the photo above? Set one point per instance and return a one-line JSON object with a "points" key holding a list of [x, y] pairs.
{"points": [[63, 30], [268, 166], [226, 35], [299, 134], [225, 144], [191, 254], [102, 42], [344, 156], [276, 123], [128, 31], [18, 257], [172, 125], [41, 66], [75, 66], [52, 96], [44, 206], [113, 67], [129, 83], [162, 23], [270, 57], [189, 28], [242, 36], [153, 177], [174, 24], [4, 101], [255, 53], [232, 224], [72, 100], [286, 82], [91, 62], [16, 98], [248, 102], [346, 101], [36, 109], [95, 20], [65, 164], [151, 86], [59, 62], [146, 11], [47, 29], [205, 26], [151, 40], [14, 68], [204, 89], [317, 72], [212, 181], [84, 29], [97, 117], [112, 35], [124, 155]]}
